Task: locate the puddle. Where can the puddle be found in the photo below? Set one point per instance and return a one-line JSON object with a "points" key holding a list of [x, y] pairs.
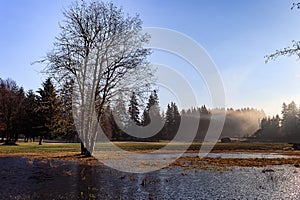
{"points": [[246, 155], [217, 155], [22, 178]]}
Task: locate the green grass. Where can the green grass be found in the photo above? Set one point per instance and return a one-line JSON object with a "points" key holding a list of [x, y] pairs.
{"points": [[251, 146], [33, 147], [133, 146], [143, 146], [238, 146]]}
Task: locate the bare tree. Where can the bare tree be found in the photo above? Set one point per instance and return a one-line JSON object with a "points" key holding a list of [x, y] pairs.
{"points": [[101, 49], [11, 110]]}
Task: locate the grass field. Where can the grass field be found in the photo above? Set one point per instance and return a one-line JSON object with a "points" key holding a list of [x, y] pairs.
{"points": [[71, 152], [236, 146], [34, 148]]}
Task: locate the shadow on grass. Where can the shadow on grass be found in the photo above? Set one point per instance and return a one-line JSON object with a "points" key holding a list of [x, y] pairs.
{"points": [[10, 144], [75, 157]]}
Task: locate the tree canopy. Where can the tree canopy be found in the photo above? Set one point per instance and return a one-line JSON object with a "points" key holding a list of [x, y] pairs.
{"points": [[101, 49]]}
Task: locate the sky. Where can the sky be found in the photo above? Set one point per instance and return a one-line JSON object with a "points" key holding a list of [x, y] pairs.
{"points": [[236, 34]]}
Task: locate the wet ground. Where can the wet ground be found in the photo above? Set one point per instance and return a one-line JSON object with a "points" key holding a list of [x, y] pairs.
{"points": [[243, 155], [24, 178]]}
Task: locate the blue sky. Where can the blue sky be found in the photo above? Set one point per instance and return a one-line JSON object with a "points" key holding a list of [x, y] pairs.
{"points": [[237, 34]]}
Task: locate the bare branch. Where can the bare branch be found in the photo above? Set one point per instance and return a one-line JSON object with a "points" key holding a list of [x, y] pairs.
{"points": [[288, 51]]}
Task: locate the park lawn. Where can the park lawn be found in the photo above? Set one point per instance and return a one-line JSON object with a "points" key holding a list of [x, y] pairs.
{"points": [[234, 146], [247, 146], [34, 148], [71, 152]]}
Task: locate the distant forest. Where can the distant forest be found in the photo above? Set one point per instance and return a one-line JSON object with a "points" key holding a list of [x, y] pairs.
{"points": [[47, 113], [285, 129]]}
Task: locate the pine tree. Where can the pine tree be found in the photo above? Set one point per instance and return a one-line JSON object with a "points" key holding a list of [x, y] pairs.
{"points": [[172, 121], [31, 120], [65, 119], [204, 111], [292, 120], [168, 123], [152, 109], [134, 109], [119, 119], [270, 128], [107, 123], [152, 115], [48, 110], [284, 114]]}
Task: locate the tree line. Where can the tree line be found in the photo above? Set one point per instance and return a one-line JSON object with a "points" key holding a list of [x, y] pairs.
{"points": [[285, 128], [238, 123], [47, 113]]}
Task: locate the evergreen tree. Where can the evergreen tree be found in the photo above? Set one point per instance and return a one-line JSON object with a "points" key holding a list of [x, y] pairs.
{"points": [[48, 110], [152, 109], [270, 128], [264, 124], [291, 121], [204, 111], [276, 123], [145, 118], [119, 119], [31, 120], [152, 115], [284, 114], [172, 121], [107, 123], [168, 123], [134, 109], [203, 123], [65, 120]]}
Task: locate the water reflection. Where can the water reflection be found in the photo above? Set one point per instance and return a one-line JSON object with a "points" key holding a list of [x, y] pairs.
{"points": [[243, 155], [25, 179]]}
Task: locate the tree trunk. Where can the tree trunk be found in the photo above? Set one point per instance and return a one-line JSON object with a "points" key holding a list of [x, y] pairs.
{"points": [[40, 140], [10, 140], [84, 150], [3, 136]]}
